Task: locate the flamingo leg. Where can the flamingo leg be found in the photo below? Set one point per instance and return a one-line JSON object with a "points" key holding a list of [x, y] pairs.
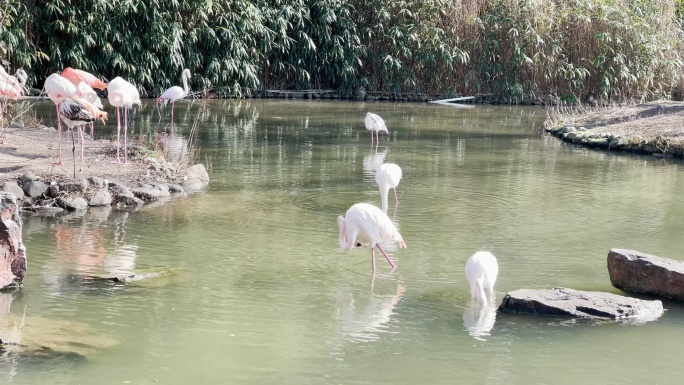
{"points": [[80, 133], [158, 109], [373, 259], [59, 137], [73, 149], [395, 196], [125, 135], [386, 256], [371, 139], [92, 130], [118, 135]]}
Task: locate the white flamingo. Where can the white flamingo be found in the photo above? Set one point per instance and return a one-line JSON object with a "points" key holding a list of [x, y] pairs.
{"points": [[86, 92], [77, 113], [175, 93], [388, 176], [374, 123], [122, 95], [481, 271], [371, 226], [58, 89]]}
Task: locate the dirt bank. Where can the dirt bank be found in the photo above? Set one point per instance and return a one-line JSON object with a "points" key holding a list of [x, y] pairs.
{"points": [[655, 128]]}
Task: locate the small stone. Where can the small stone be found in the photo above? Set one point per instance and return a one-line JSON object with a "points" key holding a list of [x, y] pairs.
{"points": [[29, 176], [125, 200], [53, 191], [597, 142], [100, 198], [73, 203], [35, 188], [568, 129], [97, 181], [582, 129], [13, 187], [649, 148], [74, 186], [174, 188], [146, 194]]}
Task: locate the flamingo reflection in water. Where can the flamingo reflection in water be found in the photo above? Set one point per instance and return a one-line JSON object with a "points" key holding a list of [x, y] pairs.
{"points": [[479, 320], [363, 318]]}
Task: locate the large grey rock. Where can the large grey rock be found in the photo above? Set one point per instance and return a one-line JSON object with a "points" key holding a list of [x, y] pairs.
{"points": [[29, 177], [72, 203], [13, 187], [97, 181], [100, 198], [120, 190], [582, 304], [638, 272], [196, 178], [35, 188], [12, 249]]}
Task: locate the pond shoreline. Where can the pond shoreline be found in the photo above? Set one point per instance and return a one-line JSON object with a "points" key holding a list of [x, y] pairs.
{"points": [[650, 128], [28, 171]]}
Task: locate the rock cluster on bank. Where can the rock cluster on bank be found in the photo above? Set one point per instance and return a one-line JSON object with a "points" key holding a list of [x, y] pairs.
{"points": [[58, 193], [658, 146]]}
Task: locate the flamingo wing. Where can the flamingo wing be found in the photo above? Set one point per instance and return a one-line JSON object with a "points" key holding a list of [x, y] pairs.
{"points": [[58, 88], [77, 76], [75, 111]]}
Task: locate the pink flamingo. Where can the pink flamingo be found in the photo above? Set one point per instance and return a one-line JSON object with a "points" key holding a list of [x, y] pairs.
{"points": [[122, 94], [76, 113], [388, 176], [58, 89], [370, 225], [78, 76], [11, 87], [174, 93]]}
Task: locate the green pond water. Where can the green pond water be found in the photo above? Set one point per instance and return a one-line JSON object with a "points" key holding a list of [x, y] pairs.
{"points": [[259, 291]]}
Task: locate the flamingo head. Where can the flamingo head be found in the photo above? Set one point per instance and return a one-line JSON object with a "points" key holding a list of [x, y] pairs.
{"points": [[102, 116], [21, 75], [341, 224], [186, 74]]}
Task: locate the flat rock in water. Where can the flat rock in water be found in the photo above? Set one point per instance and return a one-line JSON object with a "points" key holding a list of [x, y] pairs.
{"points": [[638, 272], [582, 304], [197, 178]]}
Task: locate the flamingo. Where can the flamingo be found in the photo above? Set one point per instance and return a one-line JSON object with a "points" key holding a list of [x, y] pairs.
{"points": [[370, 225], [84, 91], [388, 176], [375, 123], [481, 271], [11, 87], [174, 93], [58, 89], [122, 94], [76, 113], [77, 77]]}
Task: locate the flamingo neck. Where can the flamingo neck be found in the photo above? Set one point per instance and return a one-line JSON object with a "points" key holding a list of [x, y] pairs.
{"points": [[186, 89], [384, 191], [345, 242]]}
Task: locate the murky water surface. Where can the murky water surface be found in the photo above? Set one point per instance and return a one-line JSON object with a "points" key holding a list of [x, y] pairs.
{"points": [[260, 292]]}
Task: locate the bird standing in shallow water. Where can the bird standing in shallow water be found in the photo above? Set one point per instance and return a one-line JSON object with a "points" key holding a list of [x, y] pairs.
{"points": [[388, 176], [76, 113], [374, 123], [174, 93], [481, 271], [370, 225]]}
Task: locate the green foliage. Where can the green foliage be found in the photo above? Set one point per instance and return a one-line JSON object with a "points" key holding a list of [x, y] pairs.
{"points": [[512, 49]]}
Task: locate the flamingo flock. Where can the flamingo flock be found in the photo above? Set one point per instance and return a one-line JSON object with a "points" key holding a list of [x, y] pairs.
{"points": [[77, 103], [367, 224]]}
